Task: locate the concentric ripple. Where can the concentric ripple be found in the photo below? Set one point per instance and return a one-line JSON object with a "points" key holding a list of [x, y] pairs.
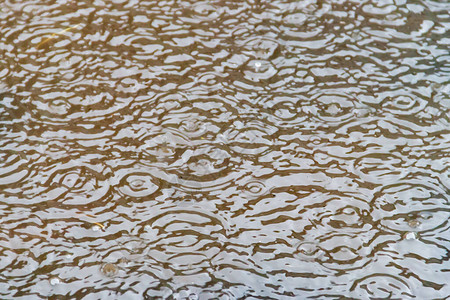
{"points": [[253, 137], [188, 239], [206, 169], [332, 108], [380, 167], [396, 203], [261, 48], [286, 110], [379, 285], [257, 70], [403, 104], [139, 184]]}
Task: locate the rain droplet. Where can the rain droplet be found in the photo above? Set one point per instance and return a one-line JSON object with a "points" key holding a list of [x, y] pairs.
{"points": [[410, 236], [60, 107], [436, 86], [307, 249], [356, 36], [361, 112], [137, 183], [333, 109], [110, 269], [189, 125], [54, 280], [414, 223]]}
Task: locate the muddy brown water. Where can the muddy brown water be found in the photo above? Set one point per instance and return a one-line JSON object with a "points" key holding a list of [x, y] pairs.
{"points": [[224, 149]]}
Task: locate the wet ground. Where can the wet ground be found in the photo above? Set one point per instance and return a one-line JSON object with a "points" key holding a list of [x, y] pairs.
{"points": [[224, 149]]}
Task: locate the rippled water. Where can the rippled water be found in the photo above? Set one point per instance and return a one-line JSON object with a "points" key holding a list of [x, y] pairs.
{"points": [[224, 149]]}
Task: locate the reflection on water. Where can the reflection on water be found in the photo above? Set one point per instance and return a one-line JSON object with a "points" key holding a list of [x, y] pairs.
{"points": [[224, 149]]}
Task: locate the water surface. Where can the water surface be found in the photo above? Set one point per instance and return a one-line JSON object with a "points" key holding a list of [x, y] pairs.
{"points": [[224, 149]]}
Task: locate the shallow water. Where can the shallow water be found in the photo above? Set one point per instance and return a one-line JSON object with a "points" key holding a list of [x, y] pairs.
{"points": [[224, 149]]}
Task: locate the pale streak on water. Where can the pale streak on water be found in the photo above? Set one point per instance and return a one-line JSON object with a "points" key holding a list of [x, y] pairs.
{"points": [[224, 149]]}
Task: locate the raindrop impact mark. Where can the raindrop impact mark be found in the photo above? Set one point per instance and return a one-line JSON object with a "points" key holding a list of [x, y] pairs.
{"points": [[109, 269]]}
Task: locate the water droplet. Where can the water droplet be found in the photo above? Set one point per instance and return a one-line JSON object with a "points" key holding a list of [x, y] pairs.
{"points": [[259, 70], [205, 11], [189, 125], [436, 87], [59, 107], [54, 280], [109, 269], [361, 112], [308, 251], [261, 48], [414, 223], [193, 127], [410, 236], [333, 109], [137, 184], [286, 111], [356, 36]]}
